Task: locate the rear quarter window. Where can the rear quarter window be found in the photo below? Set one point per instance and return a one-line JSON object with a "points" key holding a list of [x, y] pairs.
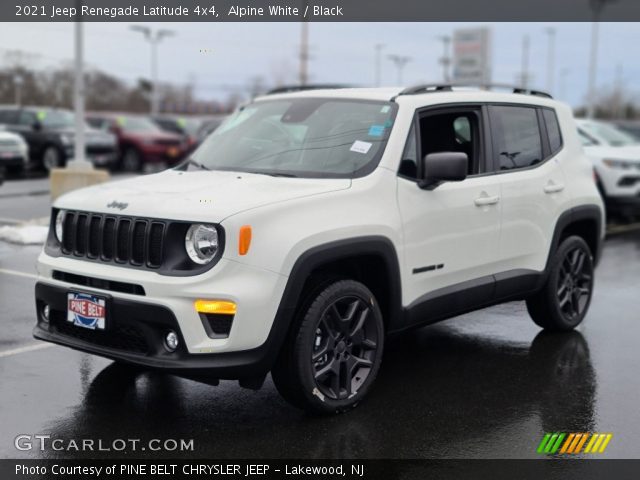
{"points": [[553, 130]]}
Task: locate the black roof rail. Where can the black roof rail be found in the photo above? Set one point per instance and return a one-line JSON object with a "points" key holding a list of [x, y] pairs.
{"points": [[448, 87], [301, 88]]}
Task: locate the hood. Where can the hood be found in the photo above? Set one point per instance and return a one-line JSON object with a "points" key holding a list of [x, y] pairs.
{"points": [[208, 196], [629, 153]]}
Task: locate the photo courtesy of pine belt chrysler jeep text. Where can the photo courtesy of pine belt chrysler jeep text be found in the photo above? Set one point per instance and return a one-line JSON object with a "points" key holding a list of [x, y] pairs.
{"points": [[311, 225]]}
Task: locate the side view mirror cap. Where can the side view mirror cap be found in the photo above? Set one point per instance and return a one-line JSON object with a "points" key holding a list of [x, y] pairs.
{"points": [[443, 167]]}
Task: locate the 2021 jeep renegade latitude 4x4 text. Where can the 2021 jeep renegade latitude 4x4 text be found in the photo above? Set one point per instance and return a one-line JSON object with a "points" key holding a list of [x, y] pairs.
{"points": [[313, 224]]}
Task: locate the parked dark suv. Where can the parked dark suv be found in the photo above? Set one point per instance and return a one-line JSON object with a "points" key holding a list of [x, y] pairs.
{"points": [[50, 134], [142, 143]]}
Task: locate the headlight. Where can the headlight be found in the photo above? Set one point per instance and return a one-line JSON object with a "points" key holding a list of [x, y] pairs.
{"points": [[201, 243], [59, 225], [621, 164]]}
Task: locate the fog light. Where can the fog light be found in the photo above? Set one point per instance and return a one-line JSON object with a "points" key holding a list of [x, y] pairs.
{"points": [[45, 313], [171, 341]]}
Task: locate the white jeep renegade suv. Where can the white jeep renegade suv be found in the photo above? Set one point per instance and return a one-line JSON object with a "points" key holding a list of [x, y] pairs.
{"points": [[313, 224]]}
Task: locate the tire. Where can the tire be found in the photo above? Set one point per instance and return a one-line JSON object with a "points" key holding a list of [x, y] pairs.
{"points": [[564, 300], [333, 352], [52, 158], [131, 160]]}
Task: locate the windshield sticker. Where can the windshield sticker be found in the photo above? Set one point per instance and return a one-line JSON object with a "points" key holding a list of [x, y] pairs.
{"points": [[376, 130], [41, 115], [181, 122], [385, 109], [360, 147], [121, 121], [388, 123]]}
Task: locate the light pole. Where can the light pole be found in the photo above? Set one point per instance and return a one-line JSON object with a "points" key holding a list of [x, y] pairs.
{"points": [[400, 61], [445, 61], [596, 9], [551, 59], [524, 76], [154, 38], [378, 64], [79, 159], [303, 74]]}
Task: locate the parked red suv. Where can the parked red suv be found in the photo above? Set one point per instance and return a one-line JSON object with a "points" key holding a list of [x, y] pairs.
{"points": [[143, 145]]}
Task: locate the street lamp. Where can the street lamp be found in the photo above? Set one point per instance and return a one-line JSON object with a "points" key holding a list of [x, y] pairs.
{"points": [[596, 9], [154, 38], [17, 84], [400, 62], [445, 60]]}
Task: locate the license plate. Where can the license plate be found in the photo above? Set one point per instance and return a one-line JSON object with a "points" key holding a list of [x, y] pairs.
{"points": [[87, 311]]}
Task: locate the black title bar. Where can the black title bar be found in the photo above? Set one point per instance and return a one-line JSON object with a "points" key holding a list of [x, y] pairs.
{"points": [[319, 10]]}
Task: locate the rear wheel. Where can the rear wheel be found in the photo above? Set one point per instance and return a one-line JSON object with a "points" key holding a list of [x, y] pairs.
{"points": [[131, 160], [51, 158], [565, 298], [334, 350]]}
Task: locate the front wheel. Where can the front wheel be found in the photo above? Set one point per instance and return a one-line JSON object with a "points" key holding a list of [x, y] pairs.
{"points": [[333, 353], [51, 158], [566, 295]]}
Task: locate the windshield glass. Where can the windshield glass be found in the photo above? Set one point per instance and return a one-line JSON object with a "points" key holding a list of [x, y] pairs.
{"points": [[306, 137], [137, 124], [609, 134], [56, 118]]}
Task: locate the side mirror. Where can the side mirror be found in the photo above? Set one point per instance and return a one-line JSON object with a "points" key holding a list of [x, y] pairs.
{"points": [[37, 126], [443, 167]]}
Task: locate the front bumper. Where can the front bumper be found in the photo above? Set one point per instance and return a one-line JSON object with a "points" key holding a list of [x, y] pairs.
{"points": [[12, 160], [135, 334]]}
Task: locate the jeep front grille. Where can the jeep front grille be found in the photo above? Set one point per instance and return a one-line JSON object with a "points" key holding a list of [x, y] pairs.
{"points": [[123, 240]]}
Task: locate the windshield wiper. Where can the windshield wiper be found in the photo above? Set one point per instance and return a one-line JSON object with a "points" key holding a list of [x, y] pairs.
{"points": [[195, 163], [273, 174]]}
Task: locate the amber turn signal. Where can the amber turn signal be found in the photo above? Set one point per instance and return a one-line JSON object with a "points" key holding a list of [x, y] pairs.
{"points": [[244, 241], [215, 306]]}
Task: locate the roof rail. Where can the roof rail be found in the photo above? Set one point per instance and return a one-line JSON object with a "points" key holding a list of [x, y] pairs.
{"points": [[300, 88], [448, 87]]}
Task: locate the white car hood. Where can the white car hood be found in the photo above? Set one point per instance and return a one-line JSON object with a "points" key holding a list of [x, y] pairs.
{"points": [[195, 195]]}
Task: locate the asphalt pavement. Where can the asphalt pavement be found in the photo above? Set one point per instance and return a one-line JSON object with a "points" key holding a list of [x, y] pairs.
{"points": [[484, 385]]}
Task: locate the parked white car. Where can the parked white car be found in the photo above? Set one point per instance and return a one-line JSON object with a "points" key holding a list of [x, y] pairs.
{"points": [[311, 225], [616, 157], [14, 152]]}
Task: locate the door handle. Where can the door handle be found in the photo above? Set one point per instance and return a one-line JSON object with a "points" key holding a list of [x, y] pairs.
{"points": [[485, 200], [552, 187]]}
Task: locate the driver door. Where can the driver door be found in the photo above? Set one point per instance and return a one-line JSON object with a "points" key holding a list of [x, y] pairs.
{"points": [[451, 233]]}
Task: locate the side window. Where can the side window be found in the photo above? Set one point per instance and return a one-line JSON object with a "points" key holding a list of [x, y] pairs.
{"points": [[452, 131], [516, 136], [553, 129], [409, 161], [26, 118]]}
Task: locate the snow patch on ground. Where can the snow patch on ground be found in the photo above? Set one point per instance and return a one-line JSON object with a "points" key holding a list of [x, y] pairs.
{"points": [[28, 233]]}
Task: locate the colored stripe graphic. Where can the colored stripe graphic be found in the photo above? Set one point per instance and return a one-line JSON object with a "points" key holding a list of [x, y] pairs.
{"points": [[573, 443]]}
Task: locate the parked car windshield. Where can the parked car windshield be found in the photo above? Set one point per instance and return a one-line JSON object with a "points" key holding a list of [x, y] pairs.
{"points": [[610, 134], [137, 124], [56, 118], [301, 137]]}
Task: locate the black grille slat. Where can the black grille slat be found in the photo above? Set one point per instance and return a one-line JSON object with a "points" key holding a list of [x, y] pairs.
{"points": [[68, 234], [156, 235], [81, 235], [93, 249], [122, 240], [138, 242], [108, 238], [135, 241]]}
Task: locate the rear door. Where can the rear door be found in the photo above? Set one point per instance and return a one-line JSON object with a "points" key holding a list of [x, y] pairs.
{"points": [[527, 147]]}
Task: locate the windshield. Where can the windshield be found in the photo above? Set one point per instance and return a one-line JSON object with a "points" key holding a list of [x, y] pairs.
{"points": [[305, 137], [188, 126], [56, 118], [137, 124], [609, 134]]}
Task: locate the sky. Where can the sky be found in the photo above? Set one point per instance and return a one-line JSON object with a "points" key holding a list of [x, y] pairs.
{"points": [[222, 58]]}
